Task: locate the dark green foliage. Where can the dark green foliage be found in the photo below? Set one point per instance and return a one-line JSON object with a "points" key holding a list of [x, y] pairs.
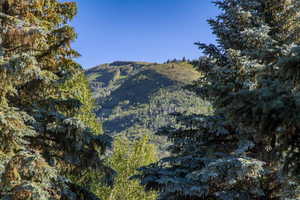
{"points": [[42, 137], [249, 147]]}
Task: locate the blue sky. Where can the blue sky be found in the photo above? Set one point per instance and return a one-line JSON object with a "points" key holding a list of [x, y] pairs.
{"points": [[141, 30]]}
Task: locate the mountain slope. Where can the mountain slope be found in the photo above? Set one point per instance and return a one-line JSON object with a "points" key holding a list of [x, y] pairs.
{"points": [[135, 97]]}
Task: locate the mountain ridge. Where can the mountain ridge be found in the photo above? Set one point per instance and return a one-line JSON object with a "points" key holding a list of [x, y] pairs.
{"points": [[134, 98]]}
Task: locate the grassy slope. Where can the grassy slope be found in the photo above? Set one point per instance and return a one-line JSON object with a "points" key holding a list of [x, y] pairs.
{"points": [[135, 97]]}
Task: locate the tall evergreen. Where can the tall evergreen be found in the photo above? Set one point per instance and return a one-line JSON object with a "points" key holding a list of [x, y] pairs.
{"points": [[41, 138], [249, 147], [78, 88]]}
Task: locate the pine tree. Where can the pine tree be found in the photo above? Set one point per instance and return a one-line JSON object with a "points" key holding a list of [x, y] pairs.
{"points": [[41, 138], [78, 88], [249, 147]]}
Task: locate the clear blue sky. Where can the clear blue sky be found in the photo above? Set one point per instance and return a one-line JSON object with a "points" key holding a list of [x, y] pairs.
{"points": [[141, 30]]}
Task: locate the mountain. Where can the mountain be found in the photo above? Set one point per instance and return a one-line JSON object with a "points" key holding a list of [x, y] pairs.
{"points": [[133, 98]]}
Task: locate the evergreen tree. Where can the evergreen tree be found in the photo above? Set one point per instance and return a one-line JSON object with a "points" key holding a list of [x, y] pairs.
{"points": [[41, 138], [126, 158], [78, 88], [249, 147], [174, 60]]}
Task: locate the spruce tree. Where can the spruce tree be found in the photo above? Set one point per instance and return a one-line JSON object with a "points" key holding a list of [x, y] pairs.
{"points": [[78, 88], [41, 138], [249, 147]]}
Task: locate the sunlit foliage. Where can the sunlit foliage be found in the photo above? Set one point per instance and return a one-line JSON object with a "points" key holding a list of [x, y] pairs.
{"points": [[126, 158]]}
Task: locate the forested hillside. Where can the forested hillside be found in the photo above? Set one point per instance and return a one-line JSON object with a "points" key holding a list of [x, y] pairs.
{"points": [[134, 98]]}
